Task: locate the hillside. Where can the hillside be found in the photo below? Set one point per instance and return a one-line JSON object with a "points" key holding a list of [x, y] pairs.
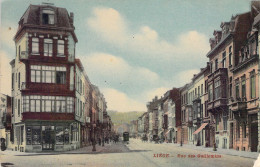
{"points": [[124, 117]]}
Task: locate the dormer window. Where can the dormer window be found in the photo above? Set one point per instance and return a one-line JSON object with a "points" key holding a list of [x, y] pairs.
{"points": [[47, 16]]}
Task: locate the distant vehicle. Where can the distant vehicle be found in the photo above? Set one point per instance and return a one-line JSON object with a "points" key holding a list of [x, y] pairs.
{"points": [[126, 136]]}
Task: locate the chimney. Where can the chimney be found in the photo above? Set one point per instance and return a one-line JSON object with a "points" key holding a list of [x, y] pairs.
{"points": [[71, 17]]}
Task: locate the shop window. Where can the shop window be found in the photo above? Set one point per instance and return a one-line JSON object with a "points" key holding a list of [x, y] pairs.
{"points": [[36, 135], [59, 135], [28, 135], [66, 135]]}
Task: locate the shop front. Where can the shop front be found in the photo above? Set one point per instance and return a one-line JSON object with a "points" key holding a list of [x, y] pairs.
{"points": [[48, 136]]}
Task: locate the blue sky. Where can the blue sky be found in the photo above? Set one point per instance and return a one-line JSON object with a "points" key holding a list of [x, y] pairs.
{"points": [[131, 49]]}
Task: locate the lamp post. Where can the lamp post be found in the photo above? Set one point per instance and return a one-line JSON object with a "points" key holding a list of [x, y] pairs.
{"points": [[93, 137]]}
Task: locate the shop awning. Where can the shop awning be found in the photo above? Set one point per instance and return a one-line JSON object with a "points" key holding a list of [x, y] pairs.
{"points": [[167, 132], [199, 129]]}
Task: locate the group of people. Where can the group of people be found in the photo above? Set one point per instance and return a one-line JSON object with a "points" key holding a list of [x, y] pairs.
{"points": [[157, 139]]}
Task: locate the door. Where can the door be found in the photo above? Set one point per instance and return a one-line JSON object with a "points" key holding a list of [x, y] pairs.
{"points": [[48, 137], [254, 137], [231, 135]]}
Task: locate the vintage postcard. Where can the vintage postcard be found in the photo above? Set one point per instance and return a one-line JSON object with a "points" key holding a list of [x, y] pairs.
{"points": [[129, 83]]}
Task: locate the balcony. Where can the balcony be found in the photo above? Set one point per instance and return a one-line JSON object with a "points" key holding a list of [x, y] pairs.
{"points": [[46, 87], [24, 55], [239, 104], [47, 116], [222, 72], [241, 65], [216, 104]]}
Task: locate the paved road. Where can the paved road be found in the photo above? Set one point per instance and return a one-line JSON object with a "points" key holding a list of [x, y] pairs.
{"points": [[135, 154]]}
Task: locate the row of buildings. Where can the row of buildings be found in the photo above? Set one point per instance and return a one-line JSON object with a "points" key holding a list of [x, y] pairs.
{"points": [[220, 106], [54, 106]]}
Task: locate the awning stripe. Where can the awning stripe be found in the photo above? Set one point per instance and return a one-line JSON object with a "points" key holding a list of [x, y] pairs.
{"points": [[199, 129]]}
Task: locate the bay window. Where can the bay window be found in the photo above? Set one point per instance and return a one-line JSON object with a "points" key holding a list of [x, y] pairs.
{"points": [[217, 91], [48, 74], [59, 104]]}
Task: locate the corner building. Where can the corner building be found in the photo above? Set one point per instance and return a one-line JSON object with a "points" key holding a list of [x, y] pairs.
{"points": [[43, 86]]}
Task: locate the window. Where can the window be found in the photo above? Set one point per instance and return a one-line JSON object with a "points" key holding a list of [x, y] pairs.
{"points": [[48, 74], [237, 89], [225, 119], [217, 123], [252, 85], [230, 56], [19, 111], [48, 104], [48, 46], [201, 89], [36, 135], [244, 130], [224, 59], [19, 50], [243, 83], [238, 130], [19, 80], [59, 135], [60, 48], [230, 87], [48, 16], [61, 77], [210, 92], [217, 91], [216, 64], [12, 80], [35, 45]]}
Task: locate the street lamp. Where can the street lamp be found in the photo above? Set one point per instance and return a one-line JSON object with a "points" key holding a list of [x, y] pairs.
{"points": [[93, 137]]}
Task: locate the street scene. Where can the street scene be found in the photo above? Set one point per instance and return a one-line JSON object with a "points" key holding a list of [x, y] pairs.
{"points": [[88, 83], [136, 153]]}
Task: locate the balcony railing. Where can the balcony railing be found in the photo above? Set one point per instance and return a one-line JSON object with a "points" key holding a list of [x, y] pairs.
{"points": [[24, 55]]}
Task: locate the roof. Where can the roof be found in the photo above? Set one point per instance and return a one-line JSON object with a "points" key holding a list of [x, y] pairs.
{"points": [[79, 64], [31, 15], [32, 18]]}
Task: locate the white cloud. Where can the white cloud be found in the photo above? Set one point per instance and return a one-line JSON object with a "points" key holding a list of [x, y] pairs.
{"points": [[112, 28], [155, 92], [184, 77], [7, 32], [116, 72], [5, 74], [119, 101]]}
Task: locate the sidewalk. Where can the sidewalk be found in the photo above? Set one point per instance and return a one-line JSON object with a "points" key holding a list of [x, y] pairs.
{"points": [[245, 154], [83, 150]]}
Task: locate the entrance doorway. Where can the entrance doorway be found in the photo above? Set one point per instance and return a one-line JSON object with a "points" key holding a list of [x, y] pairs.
{"points": [[48, 137], [254, 137]]}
